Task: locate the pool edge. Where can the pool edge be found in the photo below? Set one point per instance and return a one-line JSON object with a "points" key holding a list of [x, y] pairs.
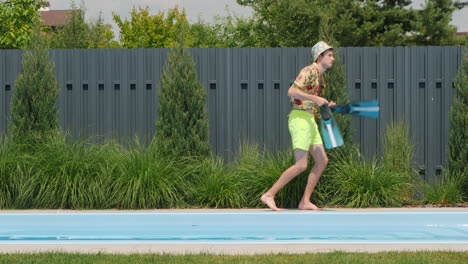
{"points": [[236, 249], [243, 210]]}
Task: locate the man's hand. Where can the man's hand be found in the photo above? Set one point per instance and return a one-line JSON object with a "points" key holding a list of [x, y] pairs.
{"points": [[321, 101]]}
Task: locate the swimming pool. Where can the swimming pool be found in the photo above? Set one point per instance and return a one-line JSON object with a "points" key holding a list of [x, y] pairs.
{"points": [[293, 227]]}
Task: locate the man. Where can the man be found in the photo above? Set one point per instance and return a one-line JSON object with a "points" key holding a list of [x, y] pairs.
{"points": [[305, 94]]}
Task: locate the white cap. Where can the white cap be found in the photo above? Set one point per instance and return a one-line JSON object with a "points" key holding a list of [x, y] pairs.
{"points": [[319, 48]]}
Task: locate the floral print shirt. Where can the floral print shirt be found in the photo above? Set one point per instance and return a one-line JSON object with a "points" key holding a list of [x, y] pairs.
{"points": [[310, 82]]}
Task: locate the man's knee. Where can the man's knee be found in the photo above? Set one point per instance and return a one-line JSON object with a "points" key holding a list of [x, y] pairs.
{"points": [[325, 160], [322, 162], [301, 166]]}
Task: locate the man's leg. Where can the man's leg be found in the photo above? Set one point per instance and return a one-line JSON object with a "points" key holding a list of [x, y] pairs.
{"points": [[321, 161], [301, 157]]}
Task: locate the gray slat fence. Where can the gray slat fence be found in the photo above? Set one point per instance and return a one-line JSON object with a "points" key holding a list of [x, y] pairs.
{"points": [[113, 93]]}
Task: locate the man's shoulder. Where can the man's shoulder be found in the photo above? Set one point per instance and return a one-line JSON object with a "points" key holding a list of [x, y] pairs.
{"points": [[312, 68]]}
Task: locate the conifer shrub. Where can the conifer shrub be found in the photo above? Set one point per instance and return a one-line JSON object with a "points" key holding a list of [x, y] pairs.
{"points": [[457, 163], [34, 115], [335, 82], [182, 124]]}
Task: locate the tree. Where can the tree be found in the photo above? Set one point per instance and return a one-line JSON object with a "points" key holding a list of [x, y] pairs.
{"points": [[295, 23], [458, 136], [286, 23], [18, 19], [182, 125], [230, 31], [371, 23], [100, 35], [33, 112], [356, 23], [204, 35], [151, 31], [432, 23], [74, 35], [79, 34]]}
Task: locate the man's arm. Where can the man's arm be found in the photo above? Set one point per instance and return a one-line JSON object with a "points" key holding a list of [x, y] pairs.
{"points": [[298, 94]]}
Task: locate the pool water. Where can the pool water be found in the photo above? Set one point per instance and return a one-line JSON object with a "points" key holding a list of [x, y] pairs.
{"points": [[234, 227]]}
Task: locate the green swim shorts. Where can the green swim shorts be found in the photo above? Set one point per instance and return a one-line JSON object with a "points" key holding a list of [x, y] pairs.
{"points": [[303, 129]]}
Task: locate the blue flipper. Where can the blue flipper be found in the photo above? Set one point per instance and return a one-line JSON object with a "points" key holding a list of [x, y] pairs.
{"points": [[330, 132], [366, 109]]}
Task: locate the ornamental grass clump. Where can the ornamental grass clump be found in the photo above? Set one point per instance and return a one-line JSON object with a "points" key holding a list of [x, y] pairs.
{"points": [[259, 169], [453, 187], [398, 155], [445, 191], [143, 179], [215, 184], [10, 172], [275, 164], [380, 182], [249, 165], [362, 183], [58, 174]]}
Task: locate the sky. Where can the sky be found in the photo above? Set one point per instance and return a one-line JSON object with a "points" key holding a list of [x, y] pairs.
{"points": [[206, 9]]}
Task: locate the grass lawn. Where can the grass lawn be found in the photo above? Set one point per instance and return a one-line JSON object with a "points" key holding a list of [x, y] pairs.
{"points": [[335, 257]]}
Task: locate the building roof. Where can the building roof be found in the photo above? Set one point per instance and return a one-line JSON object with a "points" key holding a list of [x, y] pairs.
{"points": [[56, 17]]}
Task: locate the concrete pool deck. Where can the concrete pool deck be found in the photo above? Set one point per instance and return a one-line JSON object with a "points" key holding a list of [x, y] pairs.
{"points": [[233, 249]]}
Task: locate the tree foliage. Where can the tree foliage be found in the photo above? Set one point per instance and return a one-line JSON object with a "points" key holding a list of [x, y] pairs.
{"points": [[285, 23], [204, 35], [432, 24], [371, 23], [18, 18], [33, 111], [74, 34], [295, 23], [144, 30], [100, 35], [80, 34], [182, 125]]}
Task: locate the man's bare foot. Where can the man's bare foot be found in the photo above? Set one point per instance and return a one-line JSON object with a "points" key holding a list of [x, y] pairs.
{"points": [[270, 202], [308, 206]]}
